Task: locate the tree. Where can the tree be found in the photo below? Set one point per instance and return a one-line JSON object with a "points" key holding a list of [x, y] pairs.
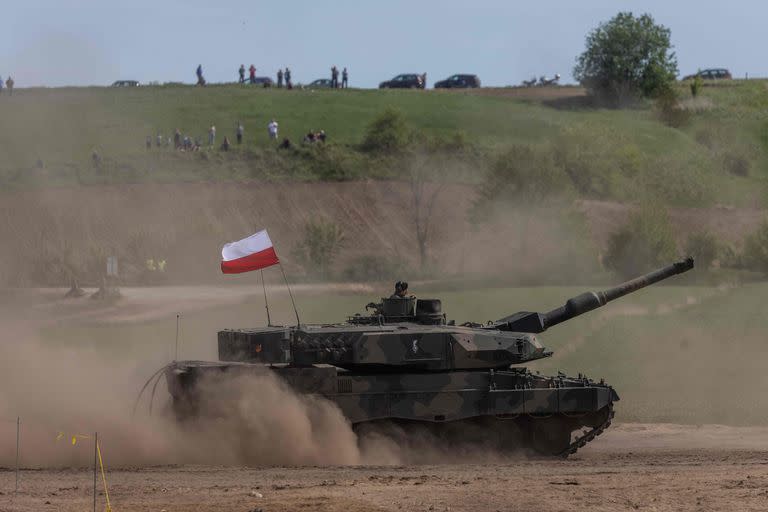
{"points": [[627, 58], [424, 194], [323, 239]]}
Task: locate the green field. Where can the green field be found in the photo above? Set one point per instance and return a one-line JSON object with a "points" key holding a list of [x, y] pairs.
{"points": [[674, 353], [719, 156]]}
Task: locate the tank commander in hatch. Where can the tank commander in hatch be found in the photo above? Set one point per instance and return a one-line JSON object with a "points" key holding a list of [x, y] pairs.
{"points": [[401, 290]]}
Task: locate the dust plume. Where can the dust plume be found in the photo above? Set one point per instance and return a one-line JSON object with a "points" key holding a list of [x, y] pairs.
{"points": [[246, 420]]}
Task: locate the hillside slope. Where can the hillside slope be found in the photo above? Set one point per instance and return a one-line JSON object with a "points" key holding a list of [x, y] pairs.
{"points": [[48, 137], [50, 233]]}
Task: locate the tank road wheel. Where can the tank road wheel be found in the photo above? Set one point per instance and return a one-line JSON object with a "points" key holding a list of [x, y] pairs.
{"points": [[550, 436], [595, 419]]}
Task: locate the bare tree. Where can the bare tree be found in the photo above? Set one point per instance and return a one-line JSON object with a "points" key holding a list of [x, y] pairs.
{"points": [[424, 193]]}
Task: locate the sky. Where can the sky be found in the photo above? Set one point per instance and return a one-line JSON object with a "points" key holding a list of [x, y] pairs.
{"points": [[95, 42]]}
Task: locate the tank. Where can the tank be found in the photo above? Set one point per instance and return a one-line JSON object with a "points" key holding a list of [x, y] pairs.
{"points": [[403, 362]]}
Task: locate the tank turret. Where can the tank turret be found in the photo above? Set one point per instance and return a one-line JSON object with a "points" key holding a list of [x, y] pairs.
{"points": [[413, 334]]}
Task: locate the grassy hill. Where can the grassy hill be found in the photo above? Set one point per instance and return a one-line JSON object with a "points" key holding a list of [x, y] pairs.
{"points": [[48, 135]]}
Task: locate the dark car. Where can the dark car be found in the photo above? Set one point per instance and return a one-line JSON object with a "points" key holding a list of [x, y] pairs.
{"points": [[458, 82], [321, 83], [126, 83], [263, 81], [711, 74], [405, 81]]}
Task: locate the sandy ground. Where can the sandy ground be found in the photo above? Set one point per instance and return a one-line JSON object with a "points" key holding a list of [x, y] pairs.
{"points": [[631, 467]]}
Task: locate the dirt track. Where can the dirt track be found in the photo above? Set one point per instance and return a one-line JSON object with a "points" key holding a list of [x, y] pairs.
{"points": [[632, 467]]}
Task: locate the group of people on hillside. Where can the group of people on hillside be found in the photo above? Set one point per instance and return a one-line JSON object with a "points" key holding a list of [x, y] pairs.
{"points": [[8, 85], [281, 75], [335, 78], [313, 136], [182, 142]]}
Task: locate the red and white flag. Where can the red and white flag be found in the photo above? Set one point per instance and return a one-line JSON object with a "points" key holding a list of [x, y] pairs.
{"points": [[252, 253]]}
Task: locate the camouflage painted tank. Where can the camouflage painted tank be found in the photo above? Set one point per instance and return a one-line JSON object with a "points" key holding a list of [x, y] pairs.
{"points": [[405, 363]]}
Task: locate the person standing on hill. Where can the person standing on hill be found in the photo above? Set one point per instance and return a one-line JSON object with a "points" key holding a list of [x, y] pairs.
{"points": [[272, 129], [239, 132], [199, 73], [1, 85], [252, 74], [288, 83], [279, 78], [212, 135], [334, 77], [344, 79], [241, 73], [9, 85]]}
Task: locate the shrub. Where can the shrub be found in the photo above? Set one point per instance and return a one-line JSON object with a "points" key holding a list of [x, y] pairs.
{"points": [[736, 164], [704, 248], [644, 243], [523, 174], [755, 256], [387, 133], [322, 241], [372, 268], [696, 84], [590, 168], [670, 112]]}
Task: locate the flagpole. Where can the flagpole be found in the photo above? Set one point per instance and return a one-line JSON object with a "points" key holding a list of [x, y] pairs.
{"points": [[95, 462], [176, 353], [298, 322], [18, 428], [266, 303]]}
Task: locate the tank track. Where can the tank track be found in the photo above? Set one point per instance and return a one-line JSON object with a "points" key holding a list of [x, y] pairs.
{"points": [[581, 441]]}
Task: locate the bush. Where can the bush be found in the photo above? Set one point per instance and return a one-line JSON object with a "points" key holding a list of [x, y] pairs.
{"points": [[372, 268], [387, 133], [755, 256], [322, 241], [589, 166], [696, 84], [670, 112], [704, 248], [523, 174], [330, 162], [736, 164], [643, 244]]}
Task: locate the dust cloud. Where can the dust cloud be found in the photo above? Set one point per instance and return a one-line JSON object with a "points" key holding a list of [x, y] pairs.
{"points": [[247, 420]]}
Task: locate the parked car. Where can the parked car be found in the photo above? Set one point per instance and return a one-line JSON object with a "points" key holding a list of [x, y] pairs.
{"points": [[263, 81], [458, 82], [126, 83], [711, 74], [320, 83], [405, 81]]}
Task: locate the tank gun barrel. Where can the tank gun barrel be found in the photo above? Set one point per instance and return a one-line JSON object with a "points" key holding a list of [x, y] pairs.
{"points": [[540, 322]]}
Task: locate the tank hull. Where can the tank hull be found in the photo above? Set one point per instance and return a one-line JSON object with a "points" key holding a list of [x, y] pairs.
{"points": [[567, 410]]}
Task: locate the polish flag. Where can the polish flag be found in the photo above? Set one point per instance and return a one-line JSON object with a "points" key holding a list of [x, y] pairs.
{"points": [[252, 253]]}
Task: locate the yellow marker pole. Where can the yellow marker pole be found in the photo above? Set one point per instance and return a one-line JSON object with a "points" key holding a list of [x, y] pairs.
{"points": [[104, 478]]}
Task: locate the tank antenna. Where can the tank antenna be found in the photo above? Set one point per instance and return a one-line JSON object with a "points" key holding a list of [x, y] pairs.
{"points": [[266, 303], [298, 322], [176, 353]]}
